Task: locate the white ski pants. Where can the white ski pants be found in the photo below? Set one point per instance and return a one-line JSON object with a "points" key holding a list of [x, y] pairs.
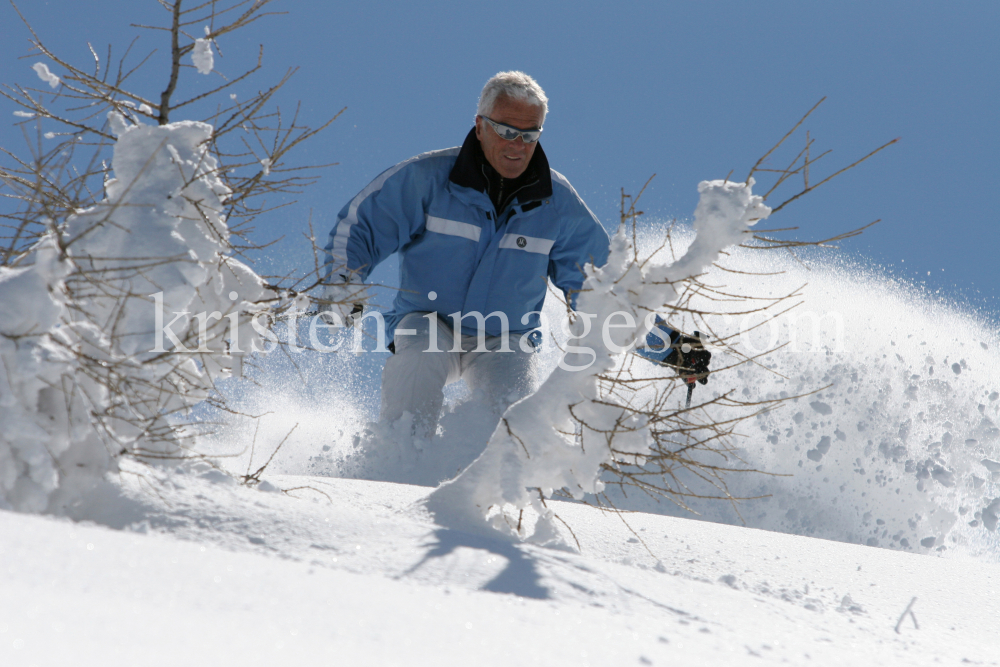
{"points": [[426, 359]]}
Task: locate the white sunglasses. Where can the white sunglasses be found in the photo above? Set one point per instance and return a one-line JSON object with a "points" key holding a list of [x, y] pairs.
{"points": [[511, 133]]}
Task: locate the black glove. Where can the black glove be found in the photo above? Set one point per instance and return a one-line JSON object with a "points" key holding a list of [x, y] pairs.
{"points": [[689, 356]]}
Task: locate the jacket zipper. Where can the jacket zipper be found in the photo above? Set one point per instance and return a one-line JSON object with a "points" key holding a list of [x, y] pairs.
{"points": [[500, 196]]}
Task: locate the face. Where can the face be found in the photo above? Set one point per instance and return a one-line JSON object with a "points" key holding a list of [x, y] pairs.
{"points": [[509, 158]]}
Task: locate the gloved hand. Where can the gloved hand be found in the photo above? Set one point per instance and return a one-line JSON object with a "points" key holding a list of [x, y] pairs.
{"points": [[344, 300], [689, 356]]}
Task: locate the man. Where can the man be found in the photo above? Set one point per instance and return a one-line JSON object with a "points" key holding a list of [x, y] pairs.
{"points": [[480, 229]]}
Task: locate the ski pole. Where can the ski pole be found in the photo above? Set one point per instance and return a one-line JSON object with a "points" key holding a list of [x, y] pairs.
{"points": [[692, 379]]}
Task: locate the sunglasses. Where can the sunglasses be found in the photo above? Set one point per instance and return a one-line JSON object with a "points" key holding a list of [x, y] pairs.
{"points": [[511, 133]]}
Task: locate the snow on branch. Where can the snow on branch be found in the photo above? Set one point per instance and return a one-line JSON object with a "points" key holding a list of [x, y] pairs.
{"points": [[45, 75], [122, 298], [95, 357], [563, 435], [202, 57]]}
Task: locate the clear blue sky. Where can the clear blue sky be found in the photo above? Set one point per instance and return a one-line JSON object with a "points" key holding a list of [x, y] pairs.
{"points": [[688, 90]]}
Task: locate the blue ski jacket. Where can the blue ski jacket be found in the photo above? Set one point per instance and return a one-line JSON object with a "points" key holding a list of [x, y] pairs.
{"points": [[457, 253]]}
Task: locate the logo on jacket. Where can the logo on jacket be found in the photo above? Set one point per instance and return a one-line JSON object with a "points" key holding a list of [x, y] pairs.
{"points": [[521, 241]]}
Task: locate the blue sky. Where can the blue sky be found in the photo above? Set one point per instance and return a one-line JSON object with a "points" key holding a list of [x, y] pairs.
{"points": [[686, 90]]}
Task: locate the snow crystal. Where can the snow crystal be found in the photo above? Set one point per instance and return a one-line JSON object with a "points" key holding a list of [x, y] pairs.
{"points": [[847, 604], [822, 408], [992, 466], [24, 114], [821, 449], [45, 75], [991, 514], [202, 56], [943, 475]]}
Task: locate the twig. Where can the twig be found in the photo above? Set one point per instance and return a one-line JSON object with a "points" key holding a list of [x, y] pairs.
{"points": [[908, 610]]}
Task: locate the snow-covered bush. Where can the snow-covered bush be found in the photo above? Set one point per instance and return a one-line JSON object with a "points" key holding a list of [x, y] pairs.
{"points": [[122, 302], [95, 358], [565, 434]]}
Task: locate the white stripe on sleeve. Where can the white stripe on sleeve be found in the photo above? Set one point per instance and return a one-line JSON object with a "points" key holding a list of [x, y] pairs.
{"points": [[339, 250], [453, 228]]}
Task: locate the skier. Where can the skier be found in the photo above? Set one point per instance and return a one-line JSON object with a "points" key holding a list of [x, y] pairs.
{"points": [[479, 229]]}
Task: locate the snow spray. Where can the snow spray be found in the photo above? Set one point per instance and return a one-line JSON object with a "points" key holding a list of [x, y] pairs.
{"points": [[893, 441]]}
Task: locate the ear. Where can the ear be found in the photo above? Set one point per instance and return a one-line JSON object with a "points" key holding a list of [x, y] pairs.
{"points": [[479, 128]]}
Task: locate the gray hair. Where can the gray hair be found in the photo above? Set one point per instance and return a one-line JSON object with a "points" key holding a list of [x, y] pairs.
{"points": [[515, 86]]}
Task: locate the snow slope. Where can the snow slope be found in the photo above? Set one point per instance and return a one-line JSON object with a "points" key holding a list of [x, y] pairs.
{"points": [[348, 572]]}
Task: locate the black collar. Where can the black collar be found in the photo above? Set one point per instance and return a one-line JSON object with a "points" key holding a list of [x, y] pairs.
{"points": [[472, 170]]}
